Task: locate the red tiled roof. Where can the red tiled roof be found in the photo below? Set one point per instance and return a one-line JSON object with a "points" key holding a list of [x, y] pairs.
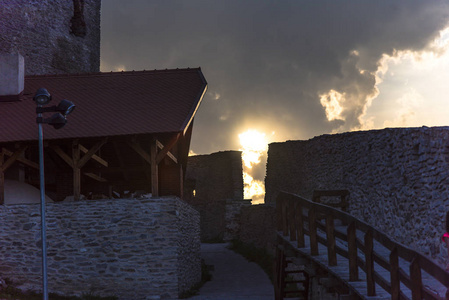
{"points": [[108, 104]]}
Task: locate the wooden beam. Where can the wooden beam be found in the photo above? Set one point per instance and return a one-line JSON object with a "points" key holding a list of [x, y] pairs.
{"points": [[22, 159], [154, 170], [76, 171], [166, 150], [95, 177], [13, 157], [120, 160], [2, 179], [136, 146], [65, 157], [94, 157], [90, 153]]}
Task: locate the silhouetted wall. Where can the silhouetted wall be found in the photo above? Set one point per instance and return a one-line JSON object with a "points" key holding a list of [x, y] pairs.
{"points": [[398, 179], [214, 186]]}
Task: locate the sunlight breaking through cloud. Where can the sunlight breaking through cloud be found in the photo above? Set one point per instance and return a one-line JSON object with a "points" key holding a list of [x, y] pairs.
{"points": [[413, 85], [253, 146], [332, 105]]}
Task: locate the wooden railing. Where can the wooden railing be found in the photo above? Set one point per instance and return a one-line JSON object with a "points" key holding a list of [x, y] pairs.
{"points": [[298, 218]]}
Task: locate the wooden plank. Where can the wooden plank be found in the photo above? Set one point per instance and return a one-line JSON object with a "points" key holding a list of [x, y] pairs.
{"points": [[332, 255], [6, 164], [94, 157], [313, 233], [136, 146], [65, 157], [352, 252], [279, 220], [292, 221], [165, 150], [81, 162], [299, 226], [2, 179], [154, 170], [23, 160], [415, 277], [369, 263], [95, 177], [76, 171], [394, 274]]}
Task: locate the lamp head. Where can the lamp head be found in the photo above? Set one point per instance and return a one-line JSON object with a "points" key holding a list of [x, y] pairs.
{"points": [[57, 121], [65, 107], [42, 97]]}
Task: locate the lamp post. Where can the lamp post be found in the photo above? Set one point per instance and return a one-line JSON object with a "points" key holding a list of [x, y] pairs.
{"points": [[58, 120]]}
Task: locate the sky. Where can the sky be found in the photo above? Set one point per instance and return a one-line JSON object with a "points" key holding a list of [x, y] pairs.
{"points": [[291, 69]]}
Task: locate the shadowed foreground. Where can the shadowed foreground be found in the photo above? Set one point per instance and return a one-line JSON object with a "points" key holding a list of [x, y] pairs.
{"points": [[233, 277]]}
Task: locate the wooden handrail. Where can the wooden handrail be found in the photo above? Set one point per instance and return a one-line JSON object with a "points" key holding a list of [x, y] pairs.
{"points": [[298, 217]]}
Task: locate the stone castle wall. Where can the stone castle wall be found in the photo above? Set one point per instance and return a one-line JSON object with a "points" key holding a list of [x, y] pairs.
{"points": [[214, 186], [398, 179], [130, 248], [54, 36]]}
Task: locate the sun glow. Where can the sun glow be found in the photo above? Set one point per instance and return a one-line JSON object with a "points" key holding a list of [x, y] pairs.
{"points": [[253, 145]]}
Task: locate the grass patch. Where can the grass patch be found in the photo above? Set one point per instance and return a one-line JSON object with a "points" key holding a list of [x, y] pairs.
{"points": [[205, 277], [254, 254]]}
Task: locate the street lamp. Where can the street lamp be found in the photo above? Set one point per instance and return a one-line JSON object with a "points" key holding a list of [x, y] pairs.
{"points": [[58, 120]]}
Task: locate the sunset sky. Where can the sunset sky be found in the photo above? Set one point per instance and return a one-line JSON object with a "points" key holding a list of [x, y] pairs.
{"points": [[291, 69]]}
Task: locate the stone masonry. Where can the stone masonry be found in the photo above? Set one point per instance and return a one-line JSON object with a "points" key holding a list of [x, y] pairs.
{"points": [[398, 179], [131, 248], [54, 36], [214, 186]]}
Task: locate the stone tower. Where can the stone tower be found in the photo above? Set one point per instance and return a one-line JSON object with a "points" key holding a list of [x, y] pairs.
{"points": [[54, 36]]}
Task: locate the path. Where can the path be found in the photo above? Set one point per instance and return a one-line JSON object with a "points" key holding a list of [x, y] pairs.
{"points": [[233, 277]]}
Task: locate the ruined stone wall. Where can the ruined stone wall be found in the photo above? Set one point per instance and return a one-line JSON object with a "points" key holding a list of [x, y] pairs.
{"points": [[212, 183], [130, 248], [258, 226], [398, 179], [54, 36]]}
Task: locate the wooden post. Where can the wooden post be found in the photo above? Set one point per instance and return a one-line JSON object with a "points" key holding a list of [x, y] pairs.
{"points": [[154, 170], [284, 218], [312, 229], [291, 219], [76, 171], [394, 274], [369, 262], [181, 181], [2, 179], [279, 213], [352, 252], [299, 226], [415, 278], [331, 253]]}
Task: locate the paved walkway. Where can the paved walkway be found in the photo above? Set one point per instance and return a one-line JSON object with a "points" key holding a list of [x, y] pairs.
{"points": [[233, 277]]}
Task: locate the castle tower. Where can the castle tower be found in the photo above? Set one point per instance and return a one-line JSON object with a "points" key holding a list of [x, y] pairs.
{"points": [[54, 36]]}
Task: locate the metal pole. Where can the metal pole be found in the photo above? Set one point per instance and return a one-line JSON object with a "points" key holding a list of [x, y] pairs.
{"points": [[43, 225]]}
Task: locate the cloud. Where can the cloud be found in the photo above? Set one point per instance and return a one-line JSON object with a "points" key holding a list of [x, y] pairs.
{"points": [[268, 62]]}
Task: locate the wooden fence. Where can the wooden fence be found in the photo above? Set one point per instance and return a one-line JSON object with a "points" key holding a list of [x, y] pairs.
{"points": [[299, 219]]}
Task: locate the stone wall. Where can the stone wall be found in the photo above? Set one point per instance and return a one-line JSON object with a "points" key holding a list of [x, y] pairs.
{"points": [[258, 226], [214, 184], [398, 179], [54, 36], [130, 248]]}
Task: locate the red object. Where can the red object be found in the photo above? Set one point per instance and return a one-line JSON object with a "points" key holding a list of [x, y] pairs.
{"points": [[445, 235], [109, 104]]}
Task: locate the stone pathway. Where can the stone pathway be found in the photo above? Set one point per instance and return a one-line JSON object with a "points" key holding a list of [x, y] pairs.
{"points": [[233, 277]]}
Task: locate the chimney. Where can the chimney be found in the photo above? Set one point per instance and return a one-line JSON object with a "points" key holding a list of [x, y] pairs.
{"points": [[12, 75]]}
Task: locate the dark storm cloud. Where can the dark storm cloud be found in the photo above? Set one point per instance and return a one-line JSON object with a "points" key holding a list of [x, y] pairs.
{"points": [[267, 62]]}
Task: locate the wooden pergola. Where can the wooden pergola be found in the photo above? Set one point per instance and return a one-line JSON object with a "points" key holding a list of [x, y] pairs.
{"points": [[130, 131]]}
